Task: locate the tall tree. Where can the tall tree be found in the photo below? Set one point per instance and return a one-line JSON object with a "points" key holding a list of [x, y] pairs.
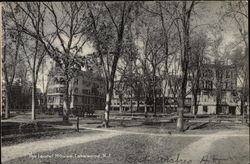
{"points": [[183, 27], [34, 53], [61, 29], [110, 21], [120, 86], [163, 11], [151, 49], [11, 54], [238, 12], [199, 43]]}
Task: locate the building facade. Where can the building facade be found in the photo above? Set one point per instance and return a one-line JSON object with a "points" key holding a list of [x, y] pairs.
{"points": [[87, 91], [217, 93], [218, 90]]}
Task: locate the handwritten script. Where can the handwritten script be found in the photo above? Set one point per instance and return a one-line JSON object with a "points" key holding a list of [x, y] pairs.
{"points": [[177, 159]]}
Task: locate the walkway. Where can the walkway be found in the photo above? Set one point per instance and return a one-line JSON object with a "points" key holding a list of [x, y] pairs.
{"points": [[203, 151], [194, 151], [25, 149]]}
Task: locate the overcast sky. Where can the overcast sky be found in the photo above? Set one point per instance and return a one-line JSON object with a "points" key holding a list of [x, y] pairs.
{"points": [[208, 12]]}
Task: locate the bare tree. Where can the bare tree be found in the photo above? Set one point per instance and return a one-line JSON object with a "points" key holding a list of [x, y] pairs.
{"points": [[237, 57], [109, 24], [199, 43], [183, 27], [11, 54], [120, 85], [34, 63], [238, 12], [164, 12], [152, 51], [61, 29]]}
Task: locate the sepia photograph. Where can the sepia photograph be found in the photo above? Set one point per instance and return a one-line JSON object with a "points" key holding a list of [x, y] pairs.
{"points": [[124, 82]]}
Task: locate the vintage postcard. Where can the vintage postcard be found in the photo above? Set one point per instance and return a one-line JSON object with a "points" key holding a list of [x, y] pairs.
{"points": [[96, 82]]}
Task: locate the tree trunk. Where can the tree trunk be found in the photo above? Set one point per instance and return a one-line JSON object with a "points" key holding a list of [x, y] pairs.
{"points": [[138, 105], [120, 105], [242, 109], [131, 106], [181, 103], [33, 102], [163, 104], [154, 99], [218, 104], [107, 109], [180, 124], [195, 105], [66, 103], [145, 107], [6, 103], [185, 61]]}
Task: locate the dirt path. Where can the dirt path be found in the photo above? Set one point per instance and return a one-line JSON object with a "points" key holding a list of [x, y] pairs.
{"points": [[194, 151], [25, 149], [201, 152]]}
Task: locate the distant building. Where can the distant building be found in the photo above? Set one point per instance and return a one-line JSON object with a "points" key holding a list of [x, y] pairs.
{"points": [[20, 97], [123, 96], [137, 97], [87, 90], [218, 87]]}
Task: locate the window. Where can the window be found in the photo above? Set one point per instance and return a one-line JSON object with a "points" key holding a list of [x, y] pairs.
{"points": [[205, 99], [204, 74], [61, 99], [227, 74], [61, 89], [50, 99], [84, 100], [61, 81], [76, 99], [76, 81], [56, 81], [223, 85], [210, 73], [207, 84], [204, 108]]}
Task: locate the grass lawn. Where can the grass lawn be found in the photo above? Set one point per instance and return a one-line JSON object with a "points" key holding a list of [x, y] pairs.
{"points": [[147, 126], [32, 137], [118, 149], [37, 130]]}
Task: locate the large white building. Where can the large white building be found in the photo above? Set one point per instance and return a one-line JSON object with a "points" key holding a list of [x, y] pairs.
{"points": [[218, 90], [87, 91], [217, 93]]}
